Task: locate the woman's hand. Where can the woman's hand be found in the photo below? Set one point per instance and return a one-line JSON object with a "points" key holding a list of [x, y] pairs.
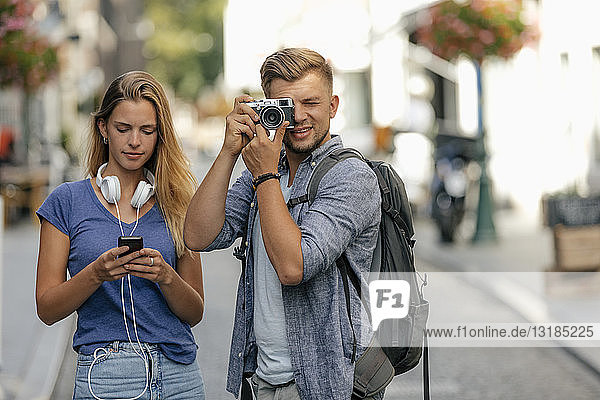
{"points": [[182, 289], [151, 265], [109, 266]]}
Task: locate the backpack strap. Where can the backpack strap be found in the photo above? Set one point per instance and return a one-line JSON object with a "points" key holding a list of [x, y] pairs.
{"points": [[342, 266], [320, 170], [329, 162], [239, 252], [426, 390], [387, 207], [246, 393]]}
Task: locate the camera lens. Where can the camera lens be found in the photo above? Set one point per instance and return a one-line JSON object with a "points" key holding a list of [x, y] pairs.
{"points": [[272, 117]]}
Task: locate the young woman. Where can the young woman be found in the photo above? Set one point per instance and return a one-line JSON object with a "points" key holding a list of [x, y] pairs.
{"points": [[134, 311]]}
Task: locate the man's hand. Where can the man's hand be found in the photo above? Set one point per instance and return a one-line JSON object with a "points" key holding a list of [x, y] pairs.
{"points": [[206, 212], [261, 155], [240, 126]]}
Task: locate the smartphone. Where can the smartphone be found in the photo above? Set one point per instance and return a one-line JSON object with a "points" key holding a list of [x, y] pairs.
{"points": [[135, 243]]}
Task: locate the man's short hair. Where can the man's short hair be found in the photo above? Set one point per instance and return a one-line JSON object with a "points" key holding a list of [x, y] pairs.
{"points": [[291, 64]]}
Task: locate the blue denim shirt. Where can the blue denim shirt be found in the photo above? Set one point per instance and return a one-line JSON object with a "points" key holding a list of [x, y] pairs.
{"points": [[343, 218]]}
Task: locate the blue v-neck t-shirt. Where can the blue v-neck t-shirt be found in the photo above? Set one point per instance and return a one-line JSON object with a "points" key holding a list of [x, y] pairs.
{"points": [[74, 209]]}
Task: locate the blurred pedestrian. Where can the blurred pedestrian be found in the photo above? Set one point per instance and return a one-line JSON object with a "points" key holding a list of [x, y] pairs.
{"points": [[292, 333], [134, 311], [7, 142]]}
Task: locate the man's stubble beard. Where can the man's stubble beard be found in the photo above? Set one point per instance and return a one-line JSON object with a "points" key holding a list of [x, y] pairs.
{"points": [[307, 149]]}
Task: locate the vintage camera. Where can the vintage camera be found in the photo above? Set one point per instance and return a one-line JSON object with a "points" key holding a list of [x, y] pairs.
{"points": [[273, 112]]}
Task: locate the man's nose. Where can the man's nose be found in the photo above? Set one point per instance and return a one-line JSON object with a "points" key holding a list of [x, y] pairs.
{"points": [[299, 113]]}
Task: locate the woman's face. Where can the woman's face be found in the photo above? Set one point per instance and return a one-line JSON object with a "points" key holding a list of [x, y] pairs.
{"points": [[132, 133]]}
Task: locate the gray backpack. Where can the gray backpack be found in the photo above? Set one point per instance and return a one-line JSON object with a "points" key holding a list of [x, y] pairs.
{"points": [[404, 339]]}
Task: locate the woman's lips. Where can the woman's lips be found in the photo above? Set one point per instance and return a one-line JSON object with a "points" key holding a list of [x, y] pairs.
{"points": [[133, 156]]}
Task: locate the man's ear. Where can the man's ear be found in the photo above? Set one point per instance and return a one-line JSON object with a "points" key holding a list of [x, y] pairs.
{"points": [[333, 105]]}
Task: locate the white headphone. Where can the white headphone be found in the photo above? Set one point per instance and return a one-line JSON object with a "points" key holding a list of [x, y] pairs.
{"points": [[111, 188]]}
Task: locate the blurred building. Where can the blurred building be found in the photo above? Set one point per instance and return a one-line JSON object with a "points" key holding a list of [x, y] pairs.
{"points": [[339, 29], [97, 40], [382, 90], [42, 133], [569, 88], [541, 108], [101, 40]]}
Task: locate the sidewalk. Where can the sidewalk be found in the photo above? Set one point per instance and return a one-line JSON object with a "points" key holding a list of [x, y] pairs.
{"points": [[520, 262], [31, 351]]}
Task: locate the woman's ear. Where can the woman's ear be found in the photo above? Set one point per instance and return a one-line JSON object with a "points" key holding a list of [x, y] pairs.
{"points": [[102, 127]]}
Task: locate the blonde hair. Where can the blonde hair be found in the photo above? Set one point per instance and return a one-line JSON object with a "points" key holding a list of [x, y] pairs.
{"points": [[175, 183], [291, 64]]}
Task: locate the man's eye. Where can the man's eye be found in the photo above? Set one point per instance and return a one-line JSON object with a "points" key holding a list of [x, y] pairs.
{"points": [[122, 130]]}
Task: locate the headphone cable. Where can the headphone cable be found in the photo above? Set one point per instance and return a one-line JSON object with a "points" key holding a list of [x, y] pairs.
{"points": [[141, 352]]}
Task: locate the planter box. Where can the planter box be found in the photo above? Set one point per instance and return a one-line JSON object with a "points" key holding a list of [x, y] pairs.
{"points": [[577, 248], [571, 210]]}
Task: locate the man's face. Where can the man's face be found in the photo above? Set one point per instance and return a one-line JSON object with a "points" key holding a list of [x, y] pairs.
{"points": [[314, 106]]}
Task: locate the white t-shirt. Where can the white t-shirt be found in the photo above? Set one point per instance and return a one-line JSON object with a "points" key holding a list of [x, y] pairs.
{"points": [[274, 363]]}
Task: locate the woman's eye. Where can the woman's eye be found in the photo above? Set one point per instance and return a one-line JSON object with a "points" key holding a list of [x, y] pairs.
{"points": [[148, 132], [122, 130]]}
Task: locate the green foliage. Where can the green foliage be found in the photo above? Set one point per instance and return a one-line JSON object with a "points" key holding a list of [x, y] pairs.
{"points": [[186, 48], [26, 59]]}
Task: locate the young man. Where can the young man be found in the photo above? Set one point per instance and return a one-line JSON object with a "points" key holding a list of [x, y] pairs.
{"points": [[292, 331]]}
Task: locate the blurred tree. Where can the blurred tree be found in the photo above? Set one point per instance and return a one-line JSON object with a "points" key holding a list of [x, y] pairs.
{"points": [[26, 59], [186, 47]]}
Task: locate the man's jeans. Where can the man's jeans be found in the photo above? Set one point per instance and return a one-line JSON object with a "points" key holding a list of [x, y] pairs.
{"points": [[265, 391]]}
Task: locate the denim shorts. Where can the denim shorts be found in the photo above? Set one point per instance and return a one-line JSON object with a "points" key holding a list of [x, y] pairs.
{"points": [[119, 372]]}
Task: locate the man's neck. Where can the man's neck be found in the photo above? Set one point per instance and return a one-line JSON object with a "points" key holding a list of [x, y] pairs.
{"points": [[294, 160]]}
